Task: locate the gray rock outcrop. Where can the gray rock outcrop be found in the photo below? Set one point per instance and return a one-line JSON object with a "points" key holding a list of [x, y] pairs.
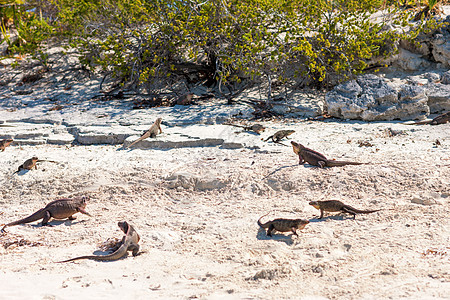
{"points": [[438, 97], [441, 48], [372, 98], [428, 49]]}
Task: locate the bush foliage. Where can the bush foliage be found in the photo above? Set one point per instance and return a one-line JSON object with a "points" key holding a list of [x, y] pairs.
{"points": [[154, 43]]}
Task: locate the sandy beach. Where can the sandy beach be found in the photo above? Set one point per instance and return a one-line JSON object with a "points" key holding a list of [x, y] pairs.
{"points": [[196, 208]]}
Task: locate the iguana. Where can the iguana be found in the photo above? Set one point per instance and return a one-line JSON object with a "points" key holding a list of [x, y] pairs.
{"points": [[317, 159], [58, 209], [258, 128], [283, 225], [152, 132], [5, 143], [441, 119], [129, 243], [30, 163], [185, 99], [279, 135], [335, 206]]}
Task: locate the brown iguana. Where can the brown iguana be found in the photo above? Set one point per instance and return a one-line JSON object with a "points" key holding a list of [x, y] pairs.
{"points": [[258, 128], [279, 135], [152, 132], [283, 225], [5, 143], [185, 99], [129, 243], [336, 205], [317, 159], [58, 209], [441, 119], [30, 163]]}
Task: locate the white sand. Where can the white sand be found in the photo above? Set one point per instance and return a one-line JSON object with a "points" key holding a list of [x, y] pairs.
{"points": [[206, 243], [196, 208]]}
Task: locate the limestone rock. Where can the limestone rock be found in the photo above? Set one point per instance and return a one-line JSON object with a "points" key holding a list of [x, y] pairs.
{"points": [[411, 61], [441, 49], [370, 98], [438, 97], [422, 48], [94, 135], [445, 79]]}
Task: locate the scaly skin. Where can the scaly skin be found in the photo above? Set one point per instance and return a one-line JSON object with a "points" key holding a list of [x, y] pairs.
{"points": [[5, 143], [185, 99], [58, 209], [258, 128], [317, 159], [129, 243], [338, 206], [279, 135], [29, 164], [152, 132], [283, 225], [441, 119]]}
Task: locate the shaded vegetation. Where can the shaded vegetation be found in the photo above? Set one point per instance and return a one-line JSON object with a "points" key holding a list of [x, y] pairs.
{"points": [[157, 44]]}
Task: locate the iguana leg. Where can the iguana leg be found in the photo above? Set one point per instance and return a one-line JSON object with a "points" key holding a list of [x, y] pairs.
{"points": [[344, 209], [322, 163], [269, 231], [321, 214], [293, 231], [300, 160], [71, 218], [46, 218], [134, 248], [81, 210]]}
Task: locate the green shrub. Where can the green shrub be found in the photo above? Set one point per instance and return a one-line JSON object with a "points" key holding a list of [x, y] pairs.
{"points": [[156, 43]]}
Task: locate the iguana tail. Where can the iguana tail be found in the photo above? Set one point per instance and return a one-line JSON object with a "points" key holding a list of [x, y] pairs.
{"points": [[110, 257], [339, 163], [263, 225], [34, 217]]}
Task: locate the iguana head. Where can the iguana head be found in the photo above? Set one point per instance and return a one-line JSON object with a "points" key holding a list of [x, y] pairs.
{"points": [[315, 204], [81, 205], [295, 147], [300, 223], [124, 226], [84, 200]]}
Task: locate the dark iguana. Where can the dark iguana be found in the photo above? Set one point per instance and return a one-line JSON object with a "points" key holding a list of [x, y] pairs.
{"points": [[58, 209], [283, 225], [279, 135], [338, 206], [5, 143], [317, 159]]}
